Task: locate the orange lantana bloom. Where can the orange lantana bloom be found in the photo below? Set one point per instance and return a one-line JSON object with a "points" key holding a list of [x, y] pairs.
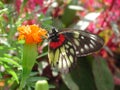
{"points": [[31, 33]]}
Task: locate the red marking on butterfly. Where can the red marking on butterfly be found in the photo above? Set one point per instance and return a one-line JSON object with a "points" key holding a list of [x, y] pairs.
{"points": [[58, 43]]}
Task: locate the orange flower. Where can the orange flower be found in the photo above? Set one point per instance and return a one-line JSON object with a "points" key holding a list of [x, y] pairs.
{"points": [[31, 33], [2, 83]]}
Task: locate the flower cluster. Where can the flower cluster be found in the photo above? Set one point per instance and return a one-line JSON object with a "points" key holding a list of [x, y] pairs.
{"points": [[30, 5], [104, 27], [31, 33], [104, 24]]}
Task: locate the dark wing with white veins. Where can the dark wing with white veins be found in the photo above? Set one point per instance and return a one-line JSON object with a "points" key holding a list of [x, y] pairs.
{"points": [[84, 42]]}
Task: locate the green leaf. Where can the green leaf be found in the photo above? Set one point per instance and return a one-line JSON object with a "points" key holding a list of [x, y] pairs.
{"points": [[33, 79], [42, 55], [1, 4], [102, 75], [13, 73], [68, 16], [69, 82], [92, 74], [51, 86], [28, 60], [82, 74], [32, 74], [29, 57], [9, 61]]}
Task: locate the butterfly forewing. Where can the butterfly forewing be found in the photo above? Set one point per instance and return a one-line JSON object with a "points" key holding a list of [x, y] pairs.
{"points": [[84, 43]]}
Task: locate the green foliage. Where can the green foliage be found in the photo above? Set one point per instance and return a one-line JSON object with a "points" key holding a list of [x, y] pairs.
{"points": [[11, 49], [90, 75], [28, 60], [102, 75]]}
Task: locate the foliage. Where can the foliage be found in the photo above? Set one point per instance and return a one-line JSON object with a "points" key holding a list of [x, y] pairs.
{"points": [[99, 71]]}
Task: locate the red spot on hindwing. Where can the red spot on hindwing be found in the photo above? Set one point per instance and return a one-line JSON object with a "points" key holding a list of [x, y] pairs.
{"points": [[56, 44]]}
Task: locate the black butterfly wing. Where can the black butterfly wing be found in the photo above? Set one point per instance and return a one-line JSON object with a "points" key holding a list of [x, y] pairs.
{"points": [[62, 57], [84, 42]]}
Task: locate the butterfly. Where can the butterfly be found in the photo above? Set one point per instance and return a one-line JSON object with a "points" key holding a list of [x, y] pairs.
{"points": [[65, 46]]}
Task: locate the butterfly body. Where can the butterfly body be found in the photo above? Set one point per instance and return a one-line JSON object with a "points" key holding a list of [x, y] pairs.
{"points": [[65, 46]]}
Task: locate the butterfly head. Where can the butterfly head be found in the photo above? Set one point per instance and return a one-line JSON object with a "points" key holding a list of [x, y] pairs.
{"points": [[53, 34]]}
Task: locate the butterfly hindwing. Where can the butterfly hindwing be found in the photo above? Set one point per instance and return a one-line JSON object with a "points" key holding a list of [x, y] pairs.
{"points": [[63, 57]]}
